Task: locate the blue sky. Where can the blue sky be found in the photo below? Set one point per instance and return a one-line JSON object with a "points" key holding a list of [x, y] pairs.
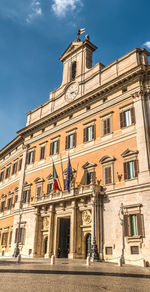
{"points": [[34, 34]]}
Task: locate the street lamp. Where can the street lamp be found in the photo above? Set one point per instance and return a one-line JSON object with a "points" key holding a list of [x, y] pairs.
{"points": [[94, 251], [121, 217]]}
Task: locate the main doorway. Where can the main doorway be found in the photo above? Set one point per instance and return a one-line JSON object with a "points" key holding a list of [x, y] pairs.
{"points": [[64, 238]]}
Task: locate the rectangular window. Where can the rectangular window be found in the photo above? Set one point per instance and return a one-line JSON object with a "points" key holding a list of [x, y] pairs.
{"points": [[133, 225], [7, 172], [89, 177], [14, 168], [10, 237], [16, 199], [20, 164], [31, 157], [106, 126], [38, 191], [130, 169], [108, 250], [54, 147], [107, 175], [4, 238], [42, 152], [49, 187], [2, 206], [127, 118], [89, 133], [70, 141], [20, 235], [26, 196], [1, 175], [134, 249], [9, 204]]}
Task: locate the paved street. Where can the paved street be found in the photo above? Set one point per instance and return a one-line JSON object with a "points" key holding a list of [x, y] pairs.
{"points": [[67, 276]]}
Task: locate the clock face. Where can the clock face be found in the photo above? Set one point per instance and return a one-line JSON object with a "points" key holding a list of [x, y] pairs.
{"points": [[71, 92]]}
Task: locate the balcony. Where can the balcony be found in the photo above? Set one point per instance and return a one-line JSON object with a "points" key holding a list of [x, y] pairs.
{"points": [[82, 190]]}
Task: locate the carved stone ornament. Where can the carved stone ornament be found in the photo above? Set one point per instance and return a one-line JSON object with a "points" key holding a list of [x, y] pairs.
{"points": [[86, 217], [45, 223]]}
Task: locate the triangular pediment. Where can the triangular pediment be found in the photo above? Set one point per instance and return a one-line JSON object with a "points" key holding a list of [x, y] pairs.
{"points": [[49, 177], [89, 165], [129, 152], [106, 159], [38, 180], [3, 196], [65, 171], [71, 48], [26, 184]]}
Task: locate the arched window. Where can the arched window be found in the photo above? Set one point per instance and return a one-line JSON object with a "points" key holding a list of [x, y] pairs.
{"points": [[73, 71]]}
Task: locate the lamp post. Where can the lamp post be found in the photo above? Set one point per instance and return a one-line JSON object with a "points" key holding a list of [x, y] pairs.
{"points": [[121, 217], [94, 251]]}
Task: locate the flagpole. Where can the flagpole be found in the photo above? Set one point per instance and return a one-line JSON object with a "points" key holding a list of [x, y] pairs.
{"points": [[62, 169]]}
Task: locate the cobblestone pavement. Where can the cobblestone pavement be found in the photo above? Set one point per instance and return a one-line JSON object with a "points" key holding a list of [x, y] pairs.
{"points": [[67, 276]]}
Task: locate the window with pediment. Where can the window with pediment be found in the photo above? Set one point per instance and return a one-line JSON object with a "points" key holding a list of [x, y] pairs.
{"points": [[89, 176], [26, 193], [107, 169], [39, 186], [130, 164], [133, 221], [49, 184]]}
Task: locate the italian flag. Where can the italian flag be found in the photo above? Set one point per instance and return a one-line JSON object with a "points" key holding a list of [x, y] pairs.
{"points": [[55, 182]]}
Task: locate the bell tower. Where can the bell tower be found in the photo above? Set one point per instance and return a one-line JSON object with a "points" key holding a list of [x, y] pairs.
{"points": [[77, 59]]}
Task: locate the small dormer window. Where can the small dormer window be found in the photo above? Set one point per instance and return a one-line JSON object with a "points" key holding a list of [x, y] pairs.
{"points": [[73, 71]]}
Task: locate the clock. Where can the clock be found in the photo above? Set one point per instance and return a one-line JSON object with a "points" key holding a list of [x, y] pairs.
{"points": [[71, 92]]}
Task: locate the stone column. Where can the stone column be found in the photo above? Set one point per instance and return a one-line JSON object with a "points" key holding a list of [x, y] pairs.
{"points": [[142, 143], [51, 231], [73, 231], [36, 235]]}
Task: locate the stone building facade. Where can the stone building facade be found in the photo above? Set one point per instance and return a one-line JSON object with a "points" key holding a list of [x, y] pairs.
{"points": [[100, 117]]}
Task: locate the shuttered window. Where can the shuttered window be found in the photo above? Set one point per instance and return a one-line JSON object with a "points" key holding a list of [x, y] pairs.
{"points": [[10, 237], [89, 133], [2, 206], [49, 187], [31, 157], [1, 175], [54, 147], [14, 168], [7, 172], [4, 238], [9, 204], [42, 152], [20, 235], [20, 164], [108, 175], [26, 196], [106, 126], [130, 169], [70, 141], [133, 225], [38, 191], [127, 118]]}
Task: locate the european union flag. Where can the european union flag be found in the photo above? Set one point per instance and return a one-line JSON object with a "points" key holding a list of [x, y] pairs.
{"points": [[69, 176]]}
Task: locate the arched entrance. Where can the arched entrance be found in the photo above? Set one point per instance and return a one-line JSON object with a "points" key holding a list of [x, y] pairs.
{"points": [[45, 245], [88, 244]]}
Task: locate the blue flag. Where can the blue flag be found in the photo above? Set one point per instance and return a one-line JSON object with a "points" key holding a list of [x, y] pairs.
{"points": [[69, 176]]}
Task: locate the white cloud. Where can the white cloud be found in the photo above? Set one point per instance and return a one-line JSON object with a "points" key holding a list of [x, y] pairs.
{"points": [[36, 10], [60, 7], [147, 44]]}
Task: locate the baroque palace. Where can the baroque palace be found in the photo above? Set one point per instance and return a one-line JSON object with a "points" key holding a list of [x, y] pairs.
{"points": [[96, 128]]}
